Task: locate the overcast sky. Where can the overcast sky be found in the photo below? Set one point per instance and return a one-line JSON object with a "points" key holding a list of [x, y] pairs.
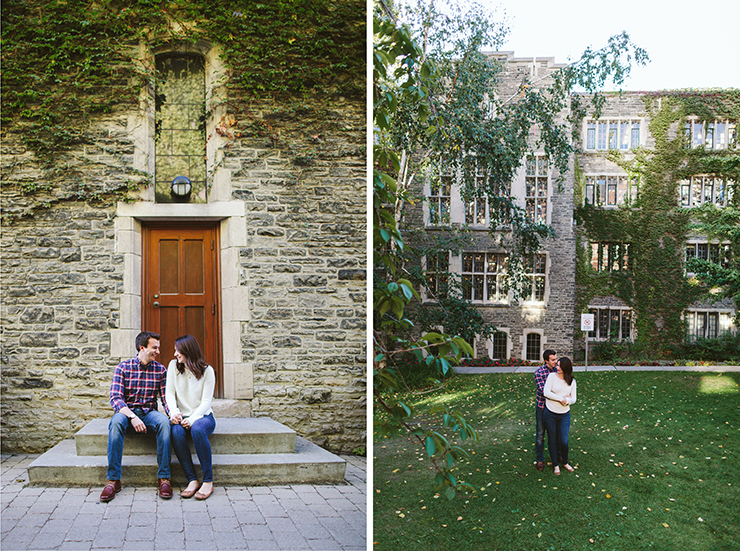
{"points": [[692, 44]]}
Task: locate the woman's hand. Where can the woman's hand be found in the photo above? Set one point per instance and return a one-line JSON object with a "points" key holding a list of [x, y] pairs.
{"points": [[564, 401], [185, 423], [176, 419]]}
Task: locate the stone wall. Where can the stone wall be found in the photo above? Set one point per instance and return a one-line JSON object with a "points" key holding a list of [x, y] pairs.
{"points": [[304, 261]]}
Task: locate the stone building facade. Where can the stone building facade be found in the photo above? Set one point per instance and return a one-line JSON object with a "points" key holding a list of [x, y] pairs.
{"points": [[273, 246], [549, 318]]}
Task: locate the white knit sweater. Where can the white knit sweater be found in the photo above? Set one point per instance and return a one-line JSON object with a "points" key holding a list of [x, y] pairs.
{"points": [[187, 395], [555, 390]]}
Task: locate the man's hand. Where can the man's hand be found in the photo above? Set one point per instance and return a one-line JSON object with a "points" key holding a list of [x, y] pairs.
{"points": [[138, 424], [176, 419]]}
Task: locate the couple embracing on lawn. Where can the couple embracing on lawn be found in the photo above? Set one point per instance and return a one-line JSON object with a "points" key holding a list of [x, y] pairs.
{"points": [[556, 391]]}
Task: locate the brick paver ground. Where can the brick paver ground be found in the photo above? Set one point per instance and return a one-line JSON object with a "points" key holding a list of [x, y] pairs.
{"points": [[311, 517]]}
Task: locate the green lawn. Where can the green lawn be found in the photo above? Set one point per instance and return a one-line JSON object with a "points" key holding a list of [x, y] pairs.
{"points": [[656, 457]]}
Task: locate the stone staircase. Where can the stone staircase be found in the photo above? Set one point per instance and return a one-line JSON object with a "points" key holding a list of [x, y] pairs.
{"points": [[249, 451]]}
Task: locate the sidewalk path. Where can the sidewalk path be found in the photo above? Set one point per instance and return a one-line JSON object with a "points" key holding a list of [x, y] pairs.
{"points": [[467, 370], [296, 517]]}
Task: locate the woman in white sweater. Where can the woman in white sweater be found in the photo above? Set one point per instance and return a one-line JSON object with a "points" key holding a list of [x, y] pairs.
{"points": [[189, 393], [560, 393]]}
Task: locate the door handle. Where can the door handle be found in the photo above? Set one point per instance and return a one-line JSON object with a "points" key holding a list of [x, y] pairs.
{"points": [[156, 304]]}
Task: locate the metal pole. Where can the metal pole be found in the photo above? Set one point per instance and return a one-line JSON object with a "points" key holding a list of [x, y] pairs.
{"points": [[586, 352]]}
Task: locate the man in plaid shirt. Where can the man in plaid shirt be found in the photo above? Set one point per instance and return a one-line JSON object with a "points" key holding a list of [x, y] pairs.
{"points": [[133, 395], [540, 376]]}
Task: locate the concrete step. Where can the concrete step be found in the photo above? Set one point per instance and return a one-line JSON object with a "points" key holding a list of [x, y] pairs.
{"points": [[253, 435], [246, 452], [308, 464]]}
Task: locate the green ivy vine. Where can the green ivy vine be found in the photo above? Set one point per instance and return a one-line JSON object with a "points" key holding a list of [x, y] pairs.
{"points": [[66, 63], [654, 225]]}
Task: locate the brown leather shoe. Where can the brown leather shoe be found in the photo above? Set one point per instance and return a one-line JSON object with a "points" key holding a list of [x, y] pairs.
{"points": [[164, 489], [112, 487], [540, 465]]}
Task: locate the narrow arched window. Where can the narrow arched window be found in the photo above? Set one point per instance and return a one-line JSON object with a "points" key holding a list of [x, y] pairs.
{"points": [[180, 137]]}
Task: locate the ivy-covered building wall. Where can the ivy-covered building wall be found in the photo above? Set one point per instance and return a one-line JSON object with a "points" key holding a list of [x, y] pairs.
{"points": [[262, 109], [649, 176]]}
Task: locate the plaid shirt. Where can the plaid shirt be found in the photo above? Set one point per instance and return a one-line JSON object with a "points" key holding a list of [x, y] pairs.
{"points": [[137, 386], [540, 376]]}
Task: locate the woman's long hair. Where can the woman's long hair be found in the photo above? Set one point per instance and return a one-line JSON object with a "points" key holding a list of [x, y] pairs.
{"points": [[188, 346], [567, 368]]}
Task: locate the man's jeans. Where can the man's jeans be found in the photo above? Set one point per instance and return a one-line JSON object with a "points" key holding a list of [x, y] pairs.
{"points": [[200, 431], [156, 423], [539, 437]]}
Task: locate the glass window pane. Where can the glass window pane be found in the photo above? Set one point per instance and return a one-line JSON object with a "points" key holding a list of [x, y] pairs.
{"points": [[602, 135], [627, 325], [624, 135], [635, 134], [613, 137], [533, 347]]}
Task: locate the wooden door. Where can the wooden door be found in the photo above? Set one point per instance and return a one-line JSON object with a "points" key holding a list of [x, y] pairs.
{"points": [[180, 289]]}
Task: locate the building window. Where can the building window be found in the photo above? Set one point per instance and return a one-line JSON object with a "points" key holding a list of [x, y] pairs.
{"points": [[707, 324], [534, 343], [500, 346], [611, 191], [704, 189], [609, 257], [439, 201], [535, 277], [713, 252], [611, 324], [536, 189], [711, 135], [180, 137], [478, 208], [436, 273], [612, 134], [484, 277]]}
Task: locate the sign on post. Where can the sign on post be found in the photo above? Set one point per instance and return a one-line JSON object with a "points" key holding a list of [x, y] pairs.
{"points": [[587, 325]]}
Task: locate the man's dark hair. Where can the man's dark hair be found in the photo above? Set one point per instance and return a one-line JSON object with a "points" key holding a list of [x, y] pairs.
{"points": [[142, 339], [547, 353]]}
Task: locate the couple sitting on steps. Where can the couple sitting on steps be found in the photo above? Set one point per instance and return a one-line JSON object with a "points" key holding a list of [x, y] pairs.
{"points": [[186, 389]]}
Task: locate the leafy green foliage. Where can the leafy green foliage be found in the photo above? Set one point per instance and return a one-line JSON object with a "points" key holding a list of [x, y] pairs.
{"points": [[396, 53]]}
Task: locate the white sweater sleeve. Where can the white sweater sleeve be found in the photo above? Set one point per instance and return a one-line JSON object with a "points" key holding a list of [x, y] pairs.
{"points": [[206, 397], [170, 392], [547, 391], [572, 397]]}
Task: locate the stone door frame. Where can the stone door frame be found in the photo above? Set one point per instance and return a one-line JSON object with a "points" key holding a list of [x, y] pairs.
{"points": [[231, 216]]}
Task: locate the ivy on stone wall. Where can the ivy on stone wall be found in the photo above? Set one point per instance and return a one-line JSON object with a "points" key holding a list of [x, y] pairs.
{"points": [[67, 63], [654, 225]]}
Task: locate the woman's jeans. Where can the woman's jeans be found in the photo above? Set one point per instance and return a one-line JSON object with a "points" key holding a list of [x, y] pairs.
{"points": [[200, 430], [156, 422], [557, 426]]}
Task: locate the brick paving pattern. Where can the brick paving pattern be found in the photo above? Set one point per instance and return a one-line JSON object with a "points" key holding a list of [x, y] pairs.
{"points": [[311, 517]]}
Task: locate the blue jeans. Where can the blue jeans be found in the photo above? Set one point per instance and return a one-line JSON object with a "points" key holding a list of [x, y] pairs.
{"points": [[539, 436], [156, 423], [558, 427], [200, 430]]}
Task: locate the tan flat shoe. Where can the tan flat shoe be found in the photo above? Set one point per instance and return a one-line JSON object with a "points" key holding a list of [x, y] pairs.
{"points": [[189, 493], [201, 496], [568, 468]]}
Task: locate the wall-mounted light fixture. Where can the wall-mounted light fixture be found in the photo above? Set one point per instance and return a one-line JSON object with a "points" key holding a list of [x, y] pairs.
{"points": [[181, 188]]}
